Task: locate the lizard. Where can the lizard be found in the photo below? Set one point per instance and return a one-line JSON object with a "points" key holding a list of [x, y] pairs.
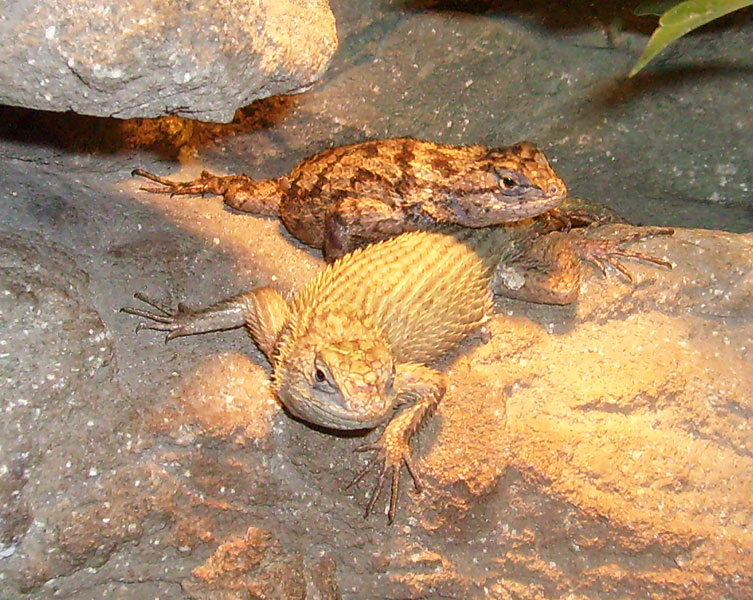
{"points": [[544, 255], [354, 347], [347, 197], [350, 196]]}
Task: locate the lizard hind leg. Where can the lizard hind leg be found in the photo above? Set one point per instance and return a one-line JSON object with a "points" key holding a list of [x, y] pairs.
{"points": [[263, 310], [240, 192], [419, 390]]}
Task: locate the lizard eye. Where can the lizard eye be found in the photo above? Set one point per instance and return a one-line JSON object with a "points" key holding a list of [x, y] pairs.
{"points": [[510, 182], [322, 377]]}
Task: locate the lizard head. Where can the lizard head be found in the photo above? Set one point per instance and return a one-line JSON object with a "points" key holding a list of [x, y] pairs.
{"points": [[506, 184], [337, 375]]}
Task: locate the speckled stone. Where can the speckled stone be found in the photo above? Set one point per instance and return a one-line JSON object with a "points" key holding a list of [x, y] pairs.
{"points": [[147, 59]]}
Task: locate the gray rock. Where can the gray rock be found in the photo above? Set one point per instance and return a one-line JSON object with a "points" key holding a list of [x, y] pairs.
{"points": [[62, 421], [601, 450], [128, 59]]}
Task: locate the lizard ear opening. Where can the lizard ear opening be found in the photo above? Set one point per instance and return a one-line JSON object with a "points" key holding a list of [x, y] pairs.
{"points": [[322, 378]]}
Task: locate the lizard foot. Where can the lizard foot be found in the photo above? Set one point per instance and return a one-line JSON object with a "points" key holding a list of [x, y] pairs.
{"points": [[575, 213], [204, 184], [603, 253], [176, 323], [394, 452]]}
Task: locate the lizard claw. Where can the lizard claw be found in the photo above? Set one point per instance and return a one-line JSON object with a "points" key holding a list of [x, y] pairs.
{"points": [[153, 303], [174, 188], [394, 458], [367, 447], [603, 253], [161, 319]]}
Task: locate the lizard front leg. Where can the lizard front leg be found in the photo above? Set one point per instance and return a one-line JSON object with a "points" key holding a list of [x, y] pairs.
{"points": [[548, 269], [240, 192], [356, 221], [263, 310], [575, 212], [418, 389]]}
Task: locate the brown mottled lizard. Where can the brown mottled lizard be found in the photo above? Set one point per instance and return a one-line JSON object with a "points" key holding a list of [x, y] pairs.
{"points": [[350, 196]]}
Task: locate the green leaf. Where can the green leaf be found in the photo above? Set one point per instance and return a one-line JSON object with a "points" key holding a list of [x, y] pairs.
{"points": [[681, 19], [655, 7]]}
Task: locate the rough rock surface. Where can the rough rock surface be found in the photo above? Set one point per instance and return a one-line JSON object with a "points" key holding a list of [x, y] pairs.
{"points": [[146, 59], [604, 448], [57, 454], [596, 451]]}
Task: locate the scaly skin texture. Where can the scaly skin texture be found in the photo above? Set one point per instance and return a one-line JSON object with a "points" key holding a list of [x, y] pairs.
{"points": [[352, 348], [347, 197]]}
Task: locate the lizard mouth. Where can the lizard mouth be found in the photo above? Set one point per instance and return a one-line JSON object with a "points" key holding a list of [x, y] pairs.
{"points": [[335, 417], [491, 209], [497, 211]]}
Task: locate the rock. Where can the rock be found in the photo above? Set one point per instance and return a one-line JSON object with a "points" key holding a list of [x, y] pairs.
{"points": [[127, 59], [60, 412], [603, 447], [594, 451], [254, 566]]}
